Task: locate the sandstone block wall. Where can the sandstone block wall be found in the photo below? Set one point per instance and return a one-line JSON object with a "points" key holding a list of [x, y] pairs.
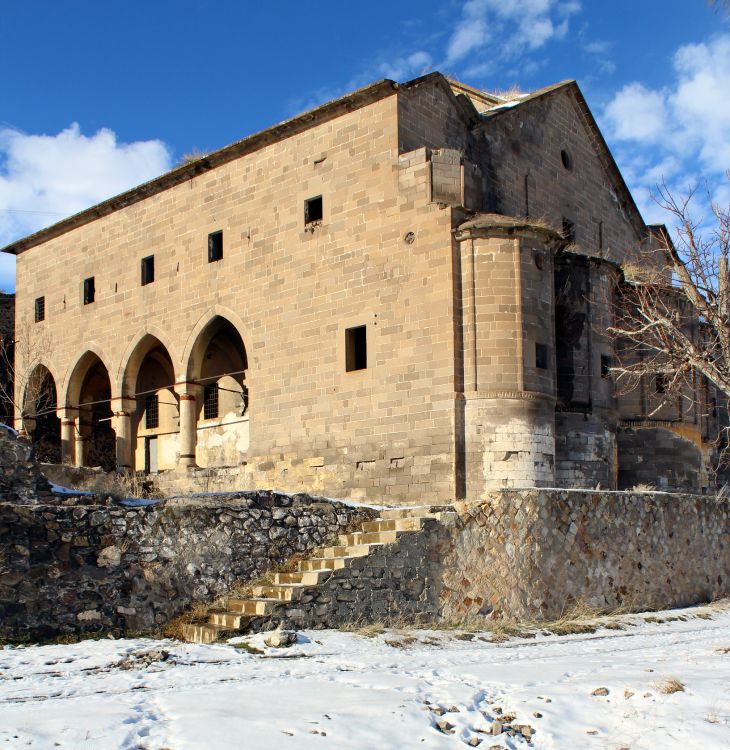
{"points": [[74, 568]]}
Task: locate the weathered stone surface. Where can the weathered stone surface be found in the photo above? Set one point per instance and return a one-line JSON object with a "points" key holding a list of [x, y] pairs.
{"points": [[280, 638], [63, 569], [20, 479]]}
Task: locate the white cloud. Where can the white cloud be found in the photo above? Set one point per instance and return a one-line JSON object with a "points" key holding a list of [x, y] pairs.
{"points": [[679, 134], [509, 27], [44, 178], [636, 113]]}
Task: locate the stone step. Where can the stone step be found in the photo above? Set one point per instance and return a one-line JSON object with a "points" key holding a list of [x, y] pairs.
{"points": [[414, 511], [355, 550], [417, 511], [249, 606], [281, 592], [199, 632], [303, 577], [230, 620], [412, 523], [324, 564], [358, 538]]}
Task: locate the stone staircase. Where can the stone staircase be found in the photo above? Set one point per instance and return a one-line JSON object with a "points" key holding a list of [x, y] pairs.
{"points": [[236, 616]]}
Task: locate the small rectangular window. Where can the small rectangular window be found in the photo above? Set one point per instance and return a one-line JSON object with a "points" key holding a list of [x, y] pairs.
{"points": [[356, 349], [313, 210], [215, 246], [541, 356], [40, 309], [210, 401], [605, 366], [148, 270], [661, 383], [568, 230], [152, 412], [89, 291]]}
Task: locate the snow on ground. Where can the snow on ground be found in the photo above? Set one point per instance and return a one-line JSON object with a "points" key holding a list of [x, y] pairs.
{"points": [[344, 690]]}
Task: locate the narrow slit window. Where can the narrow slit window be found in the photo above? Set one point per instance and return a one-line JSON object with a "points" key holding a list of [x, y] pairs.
{"points": [[313, 211], [40, 309], [661, 383], [215, 246], [89, 290], [568, 230], [356, 349], [152, 412], [541, 356], [148, 270], [605, 366], [210, 401]]}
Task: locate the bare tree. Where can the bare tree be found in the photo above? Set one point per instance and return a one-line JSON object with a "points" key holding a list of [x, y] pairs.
{"points": [[25, 387], [672, 313]]}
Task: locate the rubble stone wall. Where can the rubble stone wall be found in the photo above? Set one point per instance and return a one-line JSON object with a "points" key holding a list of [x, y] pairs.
{"points": [[81, 568], [533, 554], [525, 554]]}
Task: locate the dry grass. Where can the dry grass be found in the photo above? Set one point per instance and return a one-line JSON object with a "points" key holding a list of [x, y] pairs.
{"points": [[249, 647], [510, 94], [401, 641], [643, 487], [670, 685], [176, 627]]}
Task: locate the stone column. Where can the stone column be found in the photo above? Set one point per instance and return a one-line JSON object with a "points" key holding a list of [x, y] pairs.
{"points": [[68, 434], [188, 423], [81, 443], [123, 407]]}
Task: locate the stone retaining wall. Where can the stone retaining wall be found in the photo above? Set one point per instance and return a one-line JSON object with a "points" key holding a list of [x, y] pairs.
{"points": [[78, 568], [526, 554], [532, 554]]}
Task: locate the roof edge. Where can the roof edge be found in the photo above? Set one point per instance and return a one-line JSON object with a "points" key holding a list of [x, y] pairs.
{"points": [[294, 125]]}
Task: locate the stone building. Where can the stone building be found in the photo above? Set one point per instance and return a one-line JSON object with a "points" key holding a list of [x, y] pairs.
{"points": [[401, 294]]}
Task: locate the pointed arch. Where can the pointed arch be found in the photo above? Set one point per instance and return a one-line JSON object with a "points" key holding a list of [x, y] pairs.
{"points": [[39, 407], [147, 377], [136, 351], [76, 373], [197, 337], [88, 392]]}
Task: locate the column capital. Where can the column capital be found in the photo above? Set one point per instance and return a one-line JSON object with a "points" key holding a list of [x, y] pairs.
{"points": [[123, 405], [67, 413], [187, 390]]}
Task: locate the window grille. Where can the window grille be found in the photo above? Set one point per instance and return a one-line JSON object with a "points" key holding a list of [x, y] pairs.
{"points": [[152, 412], [210, 401], [40, 309]]}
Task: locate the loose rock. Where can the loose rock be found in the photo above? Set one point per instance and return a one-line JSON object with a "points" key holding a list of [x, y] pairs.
{"points": [[281, 638]]}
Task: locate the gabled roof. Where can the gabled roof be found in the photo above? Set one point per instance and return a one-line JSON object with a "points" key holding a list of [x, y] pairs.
{"points": [[626, 200]]}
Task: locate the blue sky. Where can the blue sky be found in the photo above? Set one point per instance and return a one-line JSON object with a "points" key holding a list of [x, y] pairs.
{"points": [[97, 97]]}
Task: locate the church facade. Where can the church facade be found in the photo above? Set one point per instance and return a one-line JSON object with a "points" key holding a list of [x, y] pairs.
{"points": [[400, 295]]}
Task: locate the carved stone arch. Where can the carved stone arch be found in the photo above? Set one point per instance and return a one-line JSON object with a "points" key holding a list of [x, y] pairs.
{"points": [[196, 339], [75, 373], [128, 369], [39, 417]]}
